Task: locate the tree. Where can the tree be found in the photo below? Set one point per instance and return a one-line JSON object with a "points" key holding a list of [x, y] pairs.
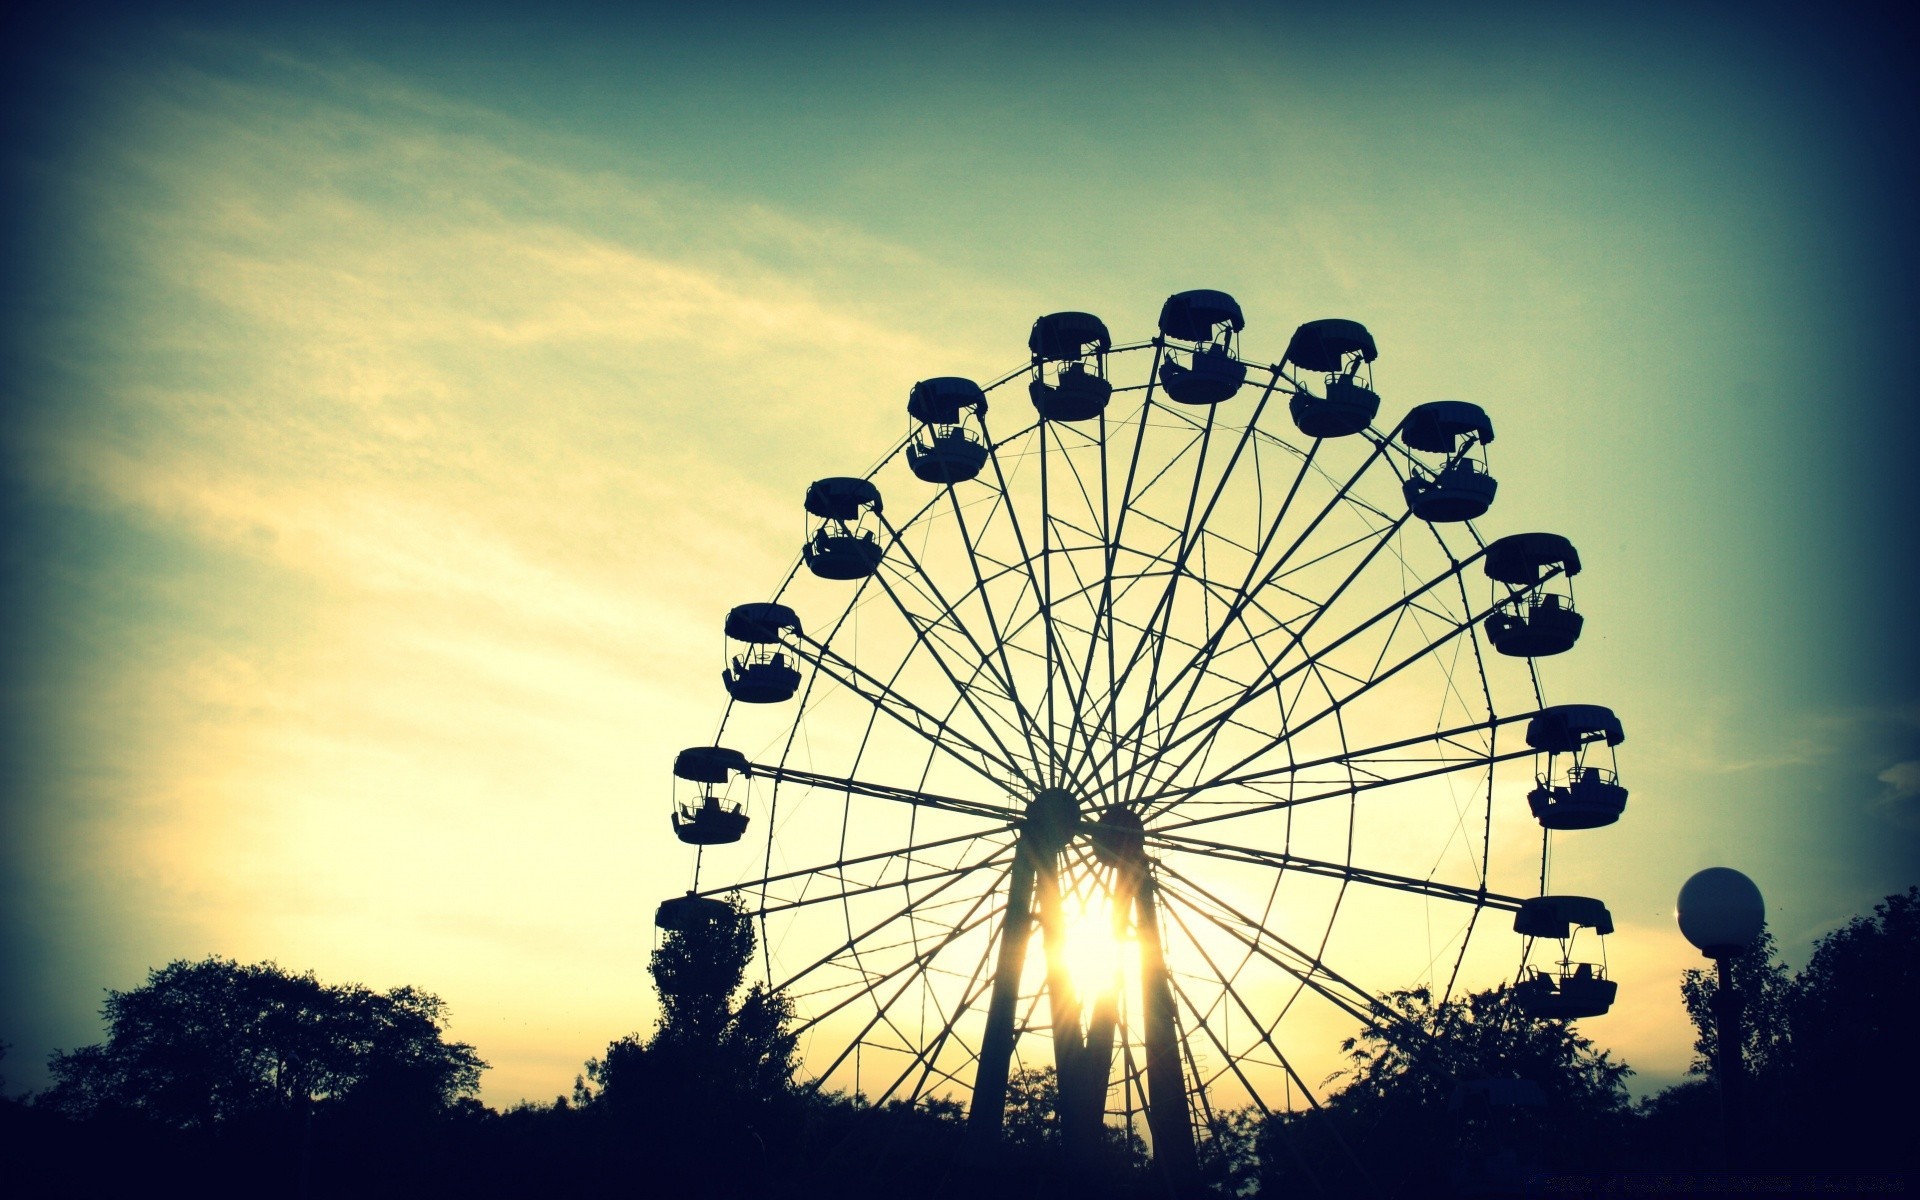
{"points": [[1229, 1156], [1763, 989], [708, 1050], [1033, 1107], [1853, 1045], [1437, 1088], [1854, 1001], [1425, 1049], [207, 1043], [1821, 1051], [706, 1104]]}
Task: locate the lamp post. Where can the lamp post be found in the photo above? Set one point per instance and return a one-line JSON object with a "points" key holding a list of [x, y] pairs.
{"points": [[1721, 913]]}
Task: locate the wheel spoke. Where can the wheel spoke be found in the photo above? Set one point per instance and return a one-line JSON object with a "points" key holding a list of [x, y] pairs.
{"points": [[1354, 757], [881, 791], [1249, 587], [937, 733], [1266, 1038], [1026, 557], [1337, 705], [1035, 741], [1272, 677], [1152, 631], [1281, 860], [1278, 678], [1265, 1028], [928, 1055], [923, 634], [1105, 539], [997, 860], [971, 920], [885, 922], [1179, 821], [1305, 968], [883, 857], [1191, 535]]}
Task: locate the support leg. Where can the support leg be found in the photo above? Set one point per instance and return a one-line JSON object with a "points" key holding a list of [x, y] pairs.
{"points": [[987, 1113], [1168, 1117]]}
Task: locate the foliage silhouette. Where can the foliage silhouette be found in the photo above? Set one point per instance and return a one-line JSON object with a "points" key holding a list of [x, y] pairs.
{"points": [[708, 1099], [1763, 989], [1033, 1104], [1821, 1051], [230, 1075], [1471, 1089], [1854, 1044], [708, 1050], [206, 1043], [926, 1149], [1857, 992]]}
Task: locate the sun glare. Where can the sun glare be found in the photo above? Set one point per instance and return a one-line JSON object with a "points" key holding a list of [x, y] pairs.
{"points": [[1094, 954]]}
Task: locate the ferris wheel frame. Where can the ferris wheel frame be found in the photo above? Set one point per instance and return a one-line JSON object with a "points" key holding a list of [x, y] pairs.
{"points": [[1080, 790]]}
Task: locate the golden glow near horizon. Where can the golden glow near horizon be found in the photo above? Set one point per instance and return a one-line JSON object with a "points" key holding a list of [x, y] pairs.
{"points": [[399, 434]]}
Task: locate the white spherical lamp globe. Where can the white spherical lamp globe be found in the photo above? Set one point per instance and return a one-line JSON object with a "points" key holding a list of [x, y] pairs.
{"points": [[1721, 911]]}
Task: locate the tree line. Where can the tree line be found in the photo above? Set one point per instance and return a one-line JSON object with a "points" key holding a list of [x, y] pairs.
{"points": [[249, 1079]]}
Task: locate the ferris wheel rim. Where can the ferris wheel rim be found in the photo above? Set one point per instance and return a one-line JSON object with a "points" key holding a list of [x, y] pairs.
{"points": [[1167, 805]]}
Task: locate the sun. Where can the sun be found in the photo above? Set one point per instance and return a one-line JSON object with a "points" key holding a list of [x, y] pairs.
{"points": [[1095, 955]]}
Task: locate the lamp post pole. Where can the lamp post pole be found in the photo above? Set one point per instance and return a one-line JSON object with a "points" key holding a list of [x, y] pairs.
{"points": [[1722, 913], [1726, 1020]]}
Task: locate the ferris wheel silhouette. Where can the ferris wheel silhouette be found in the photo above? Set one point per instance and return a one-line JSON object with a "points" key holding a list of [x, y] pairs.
{"points": [[1197, 673]]}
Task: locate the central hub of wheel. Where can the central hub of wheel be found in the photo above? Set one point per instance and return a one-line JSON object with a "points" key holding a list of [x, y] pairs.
{"points": [[1052, 816]]}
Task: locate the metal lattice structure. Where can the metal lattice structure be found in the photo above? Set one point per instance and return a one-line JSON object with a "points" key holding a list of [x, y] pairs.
{"points": [[1176, 660]]}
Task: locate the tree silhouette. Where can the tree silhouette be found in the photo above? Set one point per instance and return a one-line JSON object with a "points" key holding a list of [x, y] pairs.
{"points": [[1854, 1044], [1033, 1106], [1462, 1088], [1821, 1051], [204, 1044], [1858, 990], [708, 1049], [1430, 1047], [1763, 989]]}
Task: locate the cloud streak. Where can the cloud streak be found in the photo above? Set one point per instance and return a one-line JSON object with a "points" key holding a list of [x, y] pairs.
{"points": [[496, 437]]}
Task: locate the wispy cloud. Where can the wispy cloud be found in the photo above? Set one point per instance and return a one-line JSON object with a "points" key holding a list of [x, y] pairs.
{"points": [[1900, 802], [496, 436]]}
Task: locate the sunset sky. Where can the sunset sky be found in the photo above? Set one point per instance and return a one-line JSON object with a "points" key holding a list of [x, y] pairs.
{"points": [[396, 403]]}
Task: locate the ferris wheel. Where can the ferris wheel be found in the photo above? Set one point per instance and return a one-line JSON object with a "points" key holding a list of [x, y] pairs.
{"points": [[1184, 664]]}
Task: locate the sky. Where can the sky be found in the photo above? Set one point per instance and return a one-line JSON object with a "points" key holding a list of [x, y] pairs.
{"points": [[396, 400]]}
